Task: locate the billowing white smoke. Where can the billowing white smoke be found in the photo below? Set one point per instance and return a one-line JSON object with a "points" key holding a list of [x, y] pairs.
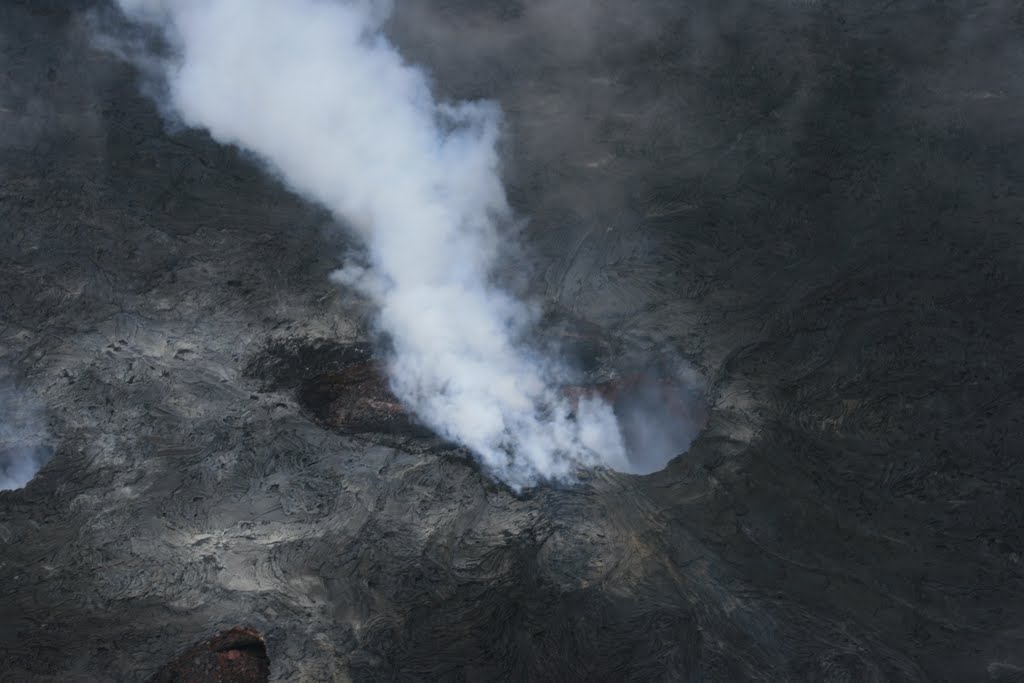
{"points": [[22, 434], [314, 89], [19, 463]]}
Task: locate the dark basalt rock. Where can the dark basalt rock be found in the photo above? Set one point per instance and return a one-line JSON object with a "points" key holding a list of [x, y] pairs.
{"points": [[290, 362], [817, 204], [238, 655], [357, 400]]}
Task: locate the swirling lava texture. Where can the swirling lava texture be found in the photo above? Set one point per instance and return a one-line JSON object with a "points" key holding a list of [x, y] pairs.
{"points": [[815, 207]]}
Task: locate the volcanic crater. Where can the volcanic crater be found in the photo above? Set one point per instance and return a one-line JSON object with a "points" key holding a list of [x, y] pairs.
{"points": [[821, 215]]}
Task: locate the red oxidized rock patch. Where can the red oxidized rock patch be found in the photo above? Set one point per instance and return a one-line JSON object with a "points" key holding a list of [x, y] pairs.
{"points": [[238, 655], [357, 399]]}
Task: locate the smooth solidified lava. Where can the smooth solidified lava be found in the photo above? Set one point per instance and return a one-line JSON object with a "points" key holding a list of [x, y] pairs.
{"points": [[238, 655]]}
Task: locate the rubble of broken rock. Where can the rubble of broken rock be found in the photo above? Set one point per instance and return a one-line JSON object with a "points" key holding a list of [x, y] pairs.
{"points": [[341, 386]]}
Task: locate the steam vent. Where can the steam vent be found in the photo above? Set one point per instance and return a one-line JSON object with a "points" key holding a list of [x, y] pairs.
{"points": [[511, 340]]}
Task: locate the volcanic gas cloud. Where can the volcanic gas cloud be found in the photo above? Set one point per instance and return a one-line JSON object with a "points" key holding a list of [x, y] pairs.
{"points": [[316, 91]]}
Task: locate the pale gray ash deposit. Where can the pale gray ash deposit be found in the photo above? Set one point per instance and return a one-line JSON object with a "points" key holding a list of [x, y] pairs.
{"points": [[570, 340]]}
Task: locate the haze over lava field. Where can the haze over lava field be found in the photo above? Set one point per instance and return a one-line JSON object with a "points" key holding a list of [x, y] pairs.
{"points": [[808, 213]]}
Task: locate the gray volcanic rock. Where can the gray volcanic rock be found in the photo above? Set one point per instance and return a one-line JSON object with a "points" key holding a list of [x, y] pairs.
{"points": [[818, 205]]}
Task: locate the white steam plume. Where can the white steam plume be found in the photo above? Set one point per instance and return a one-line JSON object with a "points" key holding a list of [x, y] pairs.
{"points": [[22, 438], [314, 89]]}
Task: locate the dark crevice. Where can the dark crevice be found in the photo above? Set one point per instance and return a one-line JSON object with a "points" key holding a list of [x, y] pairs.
{"points": [[238, 655]]}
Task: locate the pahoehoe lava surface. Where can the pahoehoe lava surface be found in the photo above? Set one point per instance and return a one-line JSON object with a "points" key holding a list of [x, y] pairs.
{"points": [[817, 204]]}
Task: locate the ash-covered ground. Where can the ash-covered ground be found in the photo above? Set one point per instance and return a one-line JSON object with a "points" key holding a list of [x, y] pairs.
{"points": [[816, 205]]}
